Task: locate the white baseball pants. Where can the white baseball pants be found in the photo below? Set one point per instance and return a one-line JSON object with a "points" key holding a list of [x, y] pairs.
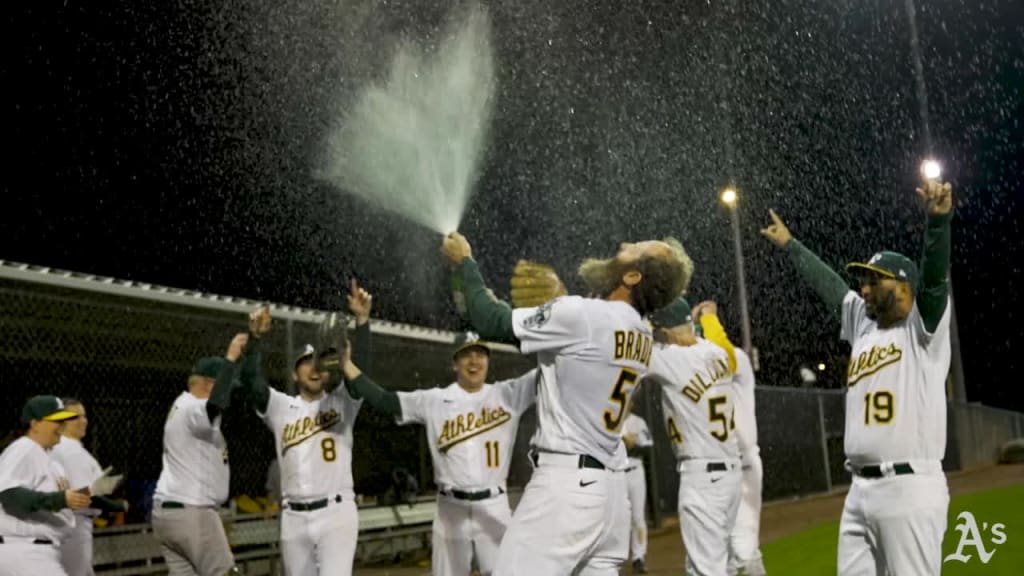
{"points": [[320, 542], [20, 557], [708, 502], [462, 527], [744, 542], [570, 521], [894, 525], [636, 485], [76, 548]]}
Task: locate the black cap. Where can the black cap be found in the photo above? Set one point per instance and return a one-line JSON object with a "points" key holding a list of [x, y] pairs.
{"points": [[209, 367], [675, 314], [49, 408], [307, 351], [469, 340], [889, 265]]}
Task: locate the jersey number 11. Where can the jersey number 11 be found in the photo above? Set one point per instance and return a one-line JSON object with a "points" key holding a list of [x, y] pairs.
{"points": [[492, 454]]}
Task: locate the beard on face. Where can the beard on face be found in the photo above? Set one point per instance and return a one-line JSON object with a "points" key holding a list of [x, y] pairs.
{"points": [[880, 305], [602, 276]]}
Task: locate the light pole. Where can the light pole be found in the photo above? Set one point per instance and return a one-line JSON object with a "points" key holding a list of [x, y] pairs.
{"points": [[730, 197]]}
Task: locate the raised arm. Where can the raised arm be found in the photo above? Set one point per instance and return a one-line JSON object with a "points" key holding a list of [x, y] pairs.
{"points": [[220, 396], [360, 302], [361, 386], [254, 383], [826, 282], [706, 314], [933, 294], [490, 317]]}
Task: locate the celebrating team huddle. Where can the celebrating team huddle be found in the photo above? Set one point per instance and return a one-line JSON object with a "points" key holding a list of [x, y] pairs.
{"points": [[582, 511]]}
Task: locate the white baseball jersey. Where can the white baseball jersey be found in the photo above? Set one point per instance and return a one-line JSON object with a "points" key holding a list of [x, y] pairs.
{"points": [[697, 399], [896, 397], [471, 434], [744, 399], [314, 443], [195, 462], [26, 464], [82, 469], [636, 426], [591, 355]]}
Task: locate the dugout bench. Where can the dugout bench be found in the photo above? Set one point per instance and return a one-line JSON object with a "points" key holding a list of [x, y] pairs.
{"points": [[385, 532]]}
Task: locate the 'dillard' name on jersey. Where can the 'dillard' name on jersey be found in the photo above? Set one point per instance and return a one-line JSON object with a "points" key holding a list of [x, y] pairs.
{"points": [[465, 426], [634, 346], [871, 361], [305, 428], [701, 383]]}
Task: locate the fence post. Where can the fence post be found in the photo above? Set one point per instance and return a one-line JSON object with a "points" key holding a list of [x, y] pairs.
{"points": [[824, 442]]}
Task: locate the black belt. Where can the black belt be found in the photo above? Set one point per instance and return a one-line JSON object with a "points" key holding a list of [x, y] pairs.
{"points": [[899, 469], [42, 541], [717, 467], [584, 462], [472, 496], [630, 469], [310, 506], [172, 505]]}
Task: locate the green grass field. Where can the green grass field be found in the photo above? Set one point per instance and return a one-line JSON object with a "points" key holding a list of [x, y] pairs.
{"points": [[813, 551]]}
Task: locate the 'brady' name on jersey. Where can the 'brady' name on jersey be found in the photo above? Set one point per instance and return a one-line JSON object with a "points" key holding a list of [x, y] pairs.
{"points": [[633, 345]]}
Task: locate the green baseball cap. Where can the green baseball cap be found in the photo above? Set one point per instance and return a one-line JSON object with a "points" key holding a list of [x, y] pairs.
{"points": [[889, 265], [675, 314], [209, 367], [49, 408], [469, 340]]}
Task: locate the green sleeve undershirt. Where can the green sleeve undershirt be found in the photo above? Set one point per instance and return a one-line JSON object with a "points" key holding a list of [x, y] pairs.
{"points": [[362, 352], [220, 396], [20, 501], [933, 294], [490, 317], [255, 384], [382, 400], [825, 281]]}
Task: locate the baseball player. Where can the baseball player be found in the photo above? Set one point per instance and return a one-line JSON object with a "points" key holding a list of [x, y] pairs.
{"points": [[193, 483], [638, 440], [898, 329], [695, 376], [574, 515], [744, 546], [313, 437], [83, 471], [471, 429], [36, 500]]}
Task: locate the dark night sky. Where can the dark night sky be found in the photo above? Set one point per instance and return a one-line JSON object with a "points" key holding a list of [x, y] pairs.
{"points": [[173, 143]]}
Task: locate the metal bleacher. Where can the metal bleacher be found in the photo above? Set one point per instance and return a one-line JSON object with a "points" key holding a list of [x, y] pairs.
{"points": [[385, 532]]}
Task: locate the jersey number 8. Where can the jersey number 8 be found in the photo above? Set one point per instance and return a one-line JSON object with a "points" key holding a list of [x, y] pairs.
{"points": [[327, 449], [620, 396]]}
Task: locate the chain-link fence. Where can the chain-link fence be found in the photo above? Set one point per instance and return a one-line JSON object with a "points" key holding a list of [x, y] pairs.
{"points": [[125, 350]]}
